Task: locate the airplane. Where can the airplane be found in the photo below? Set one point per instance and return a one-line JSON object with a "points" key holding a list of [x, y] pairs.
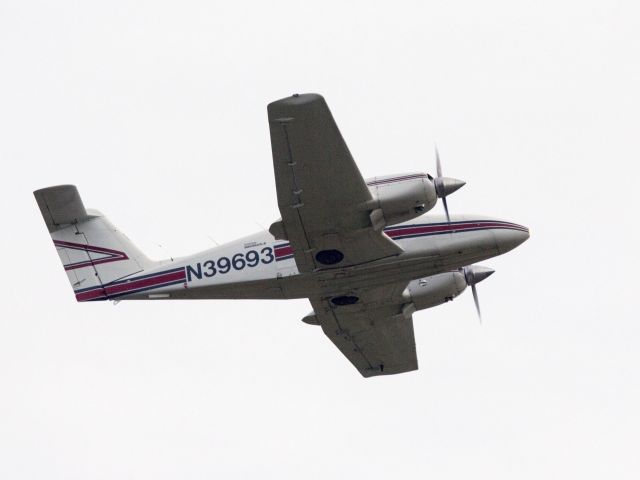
{"points": [[362, 251]]}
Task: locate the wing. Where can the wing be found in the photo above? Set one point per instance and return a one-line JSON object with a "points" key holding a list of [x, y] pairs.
{"points": [[375, 334], [324, 201]]}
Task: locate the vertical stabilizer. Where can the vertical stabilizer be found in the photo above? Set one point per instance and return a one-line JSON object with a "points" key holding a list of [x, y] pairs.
{"points": [[93, 252]]}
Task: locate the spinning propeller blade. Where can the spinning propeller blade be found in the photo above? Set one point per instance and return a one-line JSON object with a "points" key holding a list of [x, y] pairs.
{"points": [[444, 185], [446, 208], [474, 290], [473, 275]]}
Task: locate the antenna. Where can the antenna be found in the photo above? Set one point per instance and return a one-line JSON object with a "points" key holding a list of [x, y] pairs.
{"points": [[162, 247]]}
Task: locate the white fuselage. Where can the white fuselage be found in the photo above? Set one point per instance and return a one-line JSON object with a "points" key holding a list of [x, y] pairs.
{"points": [[261, 267]]}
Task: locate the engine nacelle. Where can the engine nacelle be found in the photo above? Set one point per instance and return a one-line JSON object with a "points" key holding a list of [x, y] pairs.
{"points": [[435, 290], [398, 198]]}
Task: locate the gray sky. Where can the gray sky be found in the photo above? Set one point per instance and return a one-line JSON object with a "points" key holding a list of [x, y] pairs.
{"points": [[157, 112]]}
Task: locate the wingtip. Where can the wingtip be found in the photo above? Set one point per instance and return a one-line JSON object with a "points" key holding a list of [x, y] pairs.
{"points": [[297, 99], [52, 188]]}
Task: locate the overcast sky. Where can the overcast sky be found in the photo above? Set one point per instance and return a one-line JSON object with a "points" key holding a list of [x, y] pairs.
{"points": [[157, 112]]}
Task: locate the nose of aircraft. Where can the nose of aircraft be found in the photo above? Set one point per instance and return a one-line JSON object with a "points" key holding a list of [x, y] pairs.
{"points": [[509, 238]]}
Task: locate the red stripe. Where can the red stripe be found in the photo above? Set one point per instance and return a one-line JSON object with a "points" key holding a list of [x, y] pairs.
{"points": [[426, 229], [114, 255], [284, 251], [90, 248], [121, 288], [88, 263]]}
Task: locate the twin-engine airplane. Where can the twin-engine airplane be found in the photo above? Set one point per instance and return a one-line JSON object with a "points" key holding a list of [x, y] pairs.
{"points": [[361, 251]]}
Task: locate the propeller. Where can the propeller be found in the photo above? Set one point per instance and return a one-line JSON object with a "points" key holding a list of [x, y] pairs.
{"points": [[445, 185], [474, 274]]}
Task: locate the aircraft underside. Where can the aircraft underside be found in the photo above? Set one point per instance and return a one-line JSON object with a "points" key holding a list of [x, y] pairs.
{"points": [[365, 253]]}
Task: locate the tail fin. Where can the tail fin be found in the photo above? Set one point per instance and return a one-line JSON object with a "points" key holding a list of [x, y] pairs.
{"points": [[92, 251]]}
